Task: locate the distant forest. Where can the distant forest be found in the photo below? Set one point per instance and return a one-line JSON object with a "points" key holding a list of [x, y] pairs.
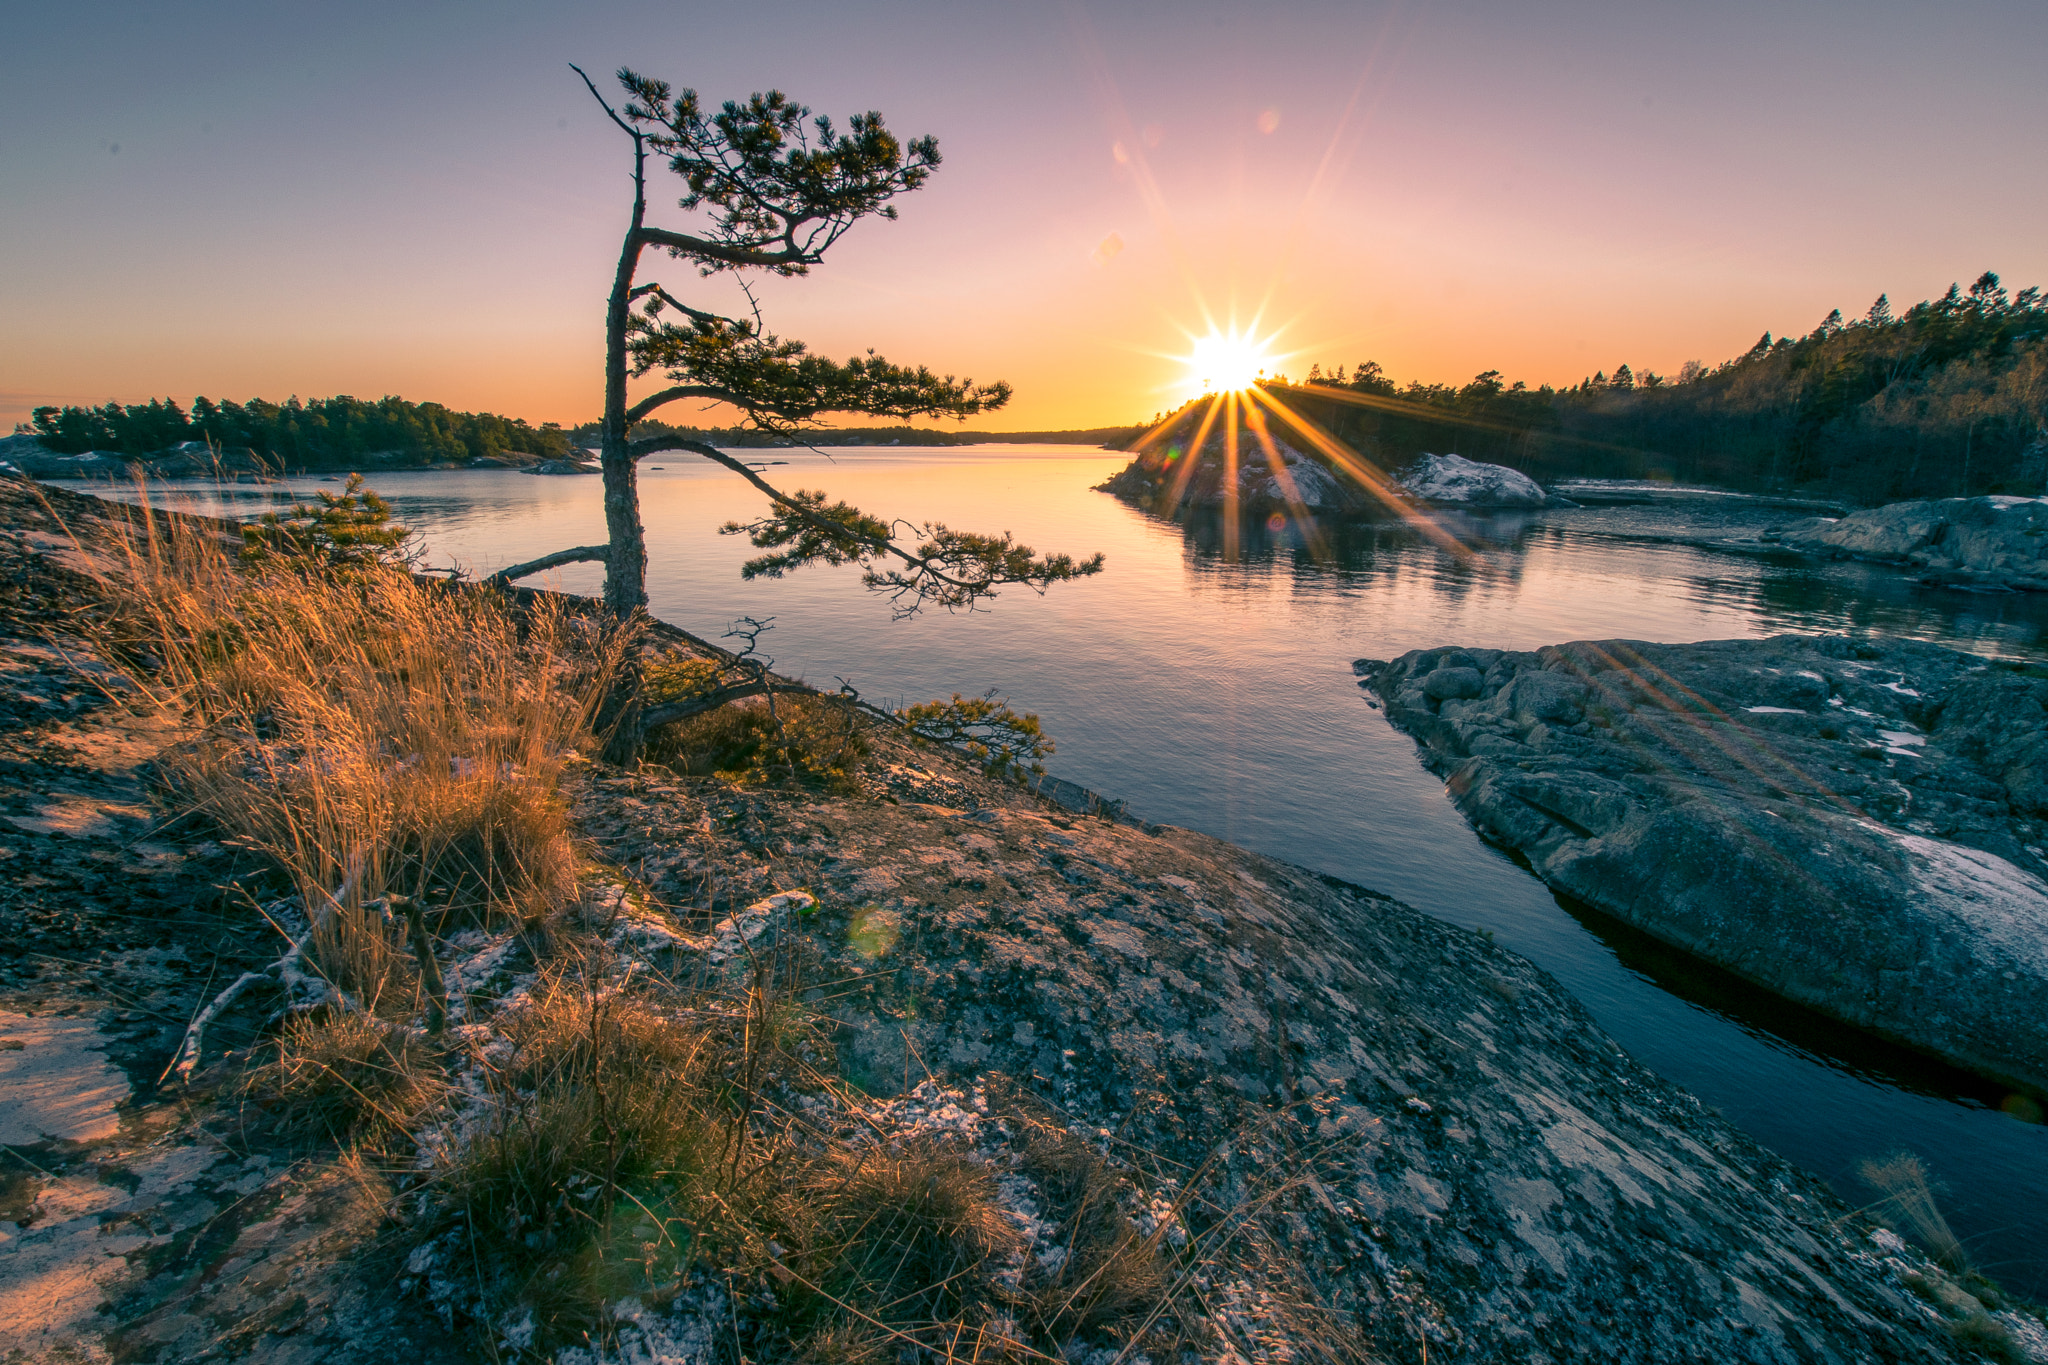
{"points": [[330, 432], [1947, 398], [735, 437], [325, 432]]}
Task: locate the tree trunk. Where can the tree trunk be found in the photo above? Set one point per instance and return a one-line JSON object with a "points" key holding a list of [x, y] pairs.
{"points": [[625, 579]]}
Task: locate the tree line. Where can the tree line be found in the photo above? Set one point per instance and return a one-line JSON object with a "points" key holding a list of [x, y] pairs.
{"points": [[743, 436], [1949, 397], [323, 432]]}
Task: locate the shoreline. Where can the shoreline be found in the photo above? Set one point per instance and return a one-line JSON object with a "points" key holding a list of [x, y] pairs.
{"points": [[1486, 1165]]}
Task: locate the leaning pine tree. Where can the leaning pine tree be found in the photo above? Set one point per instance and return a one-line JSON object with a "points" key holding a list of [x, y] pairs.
{"points": [[773, 190]]}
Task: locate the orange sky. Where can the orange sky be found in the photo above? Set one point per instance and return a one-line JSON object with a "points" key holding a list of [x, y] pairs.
{"points": [[246, 201]]}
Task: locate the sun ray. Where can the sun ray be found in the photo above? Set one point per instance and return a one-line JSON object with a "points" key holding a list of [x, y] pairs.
{"points": [[1284, 477], [1193, 452], [1230, 526], [1369, 478]]}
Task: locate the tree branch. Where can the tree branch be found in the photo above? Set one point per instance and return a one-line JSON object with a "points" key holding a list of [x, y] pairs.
{"points": [[582, 554], [790, 257], [842, 538], [641, 449], [671, 395], [671, 711], [665, 299], [605, 105]]}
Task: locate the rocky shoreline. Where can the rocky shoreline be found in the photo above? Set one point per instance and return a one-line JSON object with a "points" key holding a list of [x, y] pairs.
{"points": [[1984, 543], [1447, 1156], [1853, 824]]}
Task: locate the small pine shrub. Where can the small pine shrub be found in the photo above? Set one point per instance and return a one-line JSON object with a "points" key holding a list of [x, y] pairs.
{"points": [[809, 737], [348, 529]]}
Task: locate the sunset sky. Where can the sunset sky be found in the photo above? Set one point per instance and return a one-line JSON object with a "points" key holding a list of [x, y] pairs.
{"points": [[249, 200]]}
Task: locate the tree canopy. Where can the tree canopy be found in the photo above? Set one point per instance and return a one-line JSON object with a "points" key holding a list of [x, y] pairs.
{"points": [[324, 432]]}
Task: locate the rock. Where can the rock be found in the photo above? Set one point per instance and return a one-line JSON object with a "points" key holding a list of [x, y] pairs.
{"points": [[1856, 825], [1450, 1137], [1995, 542], [29, 455], [1446, 684], [560, 467], [1160, 480], [1453, 480]]}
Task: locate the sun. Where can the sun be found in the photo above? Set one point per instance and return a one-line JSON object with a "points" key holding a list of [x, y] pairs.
{"points": [[1223, 362]]}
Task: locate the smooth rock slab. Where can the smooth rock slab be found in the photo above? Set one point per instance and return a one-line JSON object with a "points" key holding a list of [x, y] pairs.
{"points": [[1856, 825], [56, 1082]]}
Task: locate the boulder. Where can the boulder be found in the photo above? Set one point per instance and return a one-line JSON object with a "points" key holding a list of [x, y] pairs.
{"points": [[1454, 481], [1856, 825], [1994, 542], [1161, 481]]}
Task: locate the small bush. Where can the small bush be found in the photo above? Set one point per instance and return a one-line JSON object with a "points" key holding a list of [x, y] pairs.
{"points": [[343, 530], [997, 736], [343, 1076], [1980, 1332], [910, 1235], [810, 737]]}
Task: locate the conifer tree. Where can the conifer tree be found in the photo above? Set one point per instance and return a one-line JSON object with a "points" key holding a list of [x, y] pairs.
{"points": [[773, 189]]}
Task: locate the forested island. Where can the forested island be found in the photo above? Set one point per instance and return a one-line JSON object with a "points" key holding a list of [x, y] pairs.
{"points": [[323, 433], [344, 432]]}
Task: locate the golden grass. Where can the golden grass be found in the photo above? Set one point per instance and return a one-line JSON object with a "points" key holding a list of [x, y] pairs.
{"points": [[371, 731], [345, 1077], [1908, 1196]]}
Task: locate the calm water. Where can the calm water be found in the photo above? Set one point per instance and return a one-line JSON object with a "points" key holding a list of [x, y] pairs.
{"points": [[1205, 677]]}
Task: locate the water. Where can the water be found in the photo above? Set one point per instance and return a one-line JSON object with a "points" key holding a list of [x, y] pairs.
{"points": [[1204, 676]]}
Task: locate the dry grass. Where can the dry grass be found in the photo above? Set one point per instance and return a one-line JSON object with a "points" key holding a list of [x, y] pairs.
{"points": [[372, 732], [1909, 1197], [599, 1096], [387, 740], [346, 1077]]}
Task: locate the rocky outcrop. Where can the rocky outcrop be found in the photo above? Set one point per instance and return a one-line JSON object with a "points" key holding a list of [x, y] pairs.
{"points": [[1166, 480], [1454, 481], [1472, 1159], [1856, 825], [1988, 542], [1432, 1146]]}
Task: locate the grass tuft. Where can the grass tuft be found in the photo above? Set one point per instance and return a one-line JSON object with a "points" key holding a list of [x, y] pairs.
{"points": [[345, 1077]]}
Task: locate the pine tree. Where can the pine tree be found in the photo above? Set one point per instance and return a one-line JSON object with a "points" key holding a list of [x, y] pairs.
{"points": [[774, 189], [1880, 314]]}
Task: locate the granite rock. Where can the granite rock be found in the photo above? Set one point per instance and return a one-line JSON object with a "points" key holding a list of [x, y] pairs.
{"points": [[1854, 824]]}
